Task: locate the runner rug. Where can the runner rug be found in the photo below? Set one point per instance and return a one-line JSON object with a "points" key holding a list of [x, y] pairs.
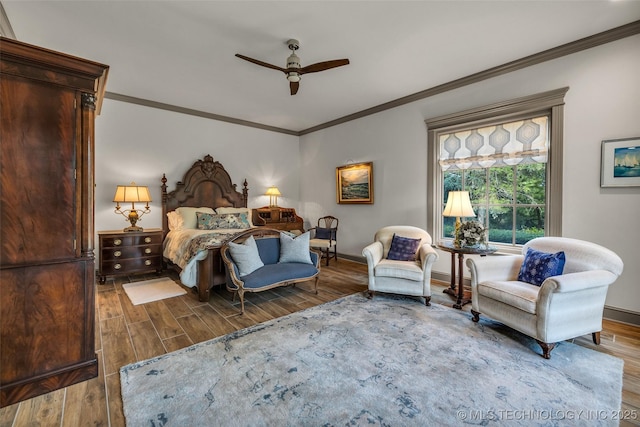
{"points": [[388, 361]]}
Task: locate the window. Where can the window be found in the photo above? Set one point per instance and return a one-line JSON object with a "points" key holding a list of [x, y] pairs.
{"points": [[509, 157]]}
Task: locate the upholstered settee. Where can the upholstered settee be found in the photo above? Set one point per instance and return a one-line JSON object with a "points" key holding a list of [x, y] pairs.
{"points": [[263, 258], [563, 306]]}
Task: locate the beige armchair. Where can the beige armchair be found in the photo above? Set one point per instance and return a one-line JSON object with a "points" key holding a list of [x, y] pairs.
{"points": [[563, 307], [411, 277]]}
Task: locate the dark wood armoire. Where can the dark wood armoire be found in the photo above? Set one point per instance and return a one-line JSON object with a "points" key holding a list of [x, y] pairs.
{"points": [[48, 102]]}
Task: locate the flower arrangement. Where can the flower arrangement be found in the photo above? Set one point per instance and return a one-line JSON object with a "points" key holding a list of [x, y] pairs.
{"points": [[470, 233]]}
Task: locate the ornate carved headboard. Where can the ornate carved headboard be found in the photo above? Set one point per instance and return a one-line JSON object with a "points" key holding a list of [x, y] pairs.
{"points": [[206, 183]]}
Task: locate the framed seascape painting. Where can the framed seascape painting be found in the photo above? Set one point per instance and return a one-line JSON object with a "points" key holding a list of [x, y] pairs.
{"points": [[354, 183], [620, 163]]}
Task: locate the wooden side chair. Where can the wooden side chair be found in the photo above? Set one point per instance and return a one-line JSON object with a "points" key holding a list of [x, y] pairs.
{"points": [[324, 237]]}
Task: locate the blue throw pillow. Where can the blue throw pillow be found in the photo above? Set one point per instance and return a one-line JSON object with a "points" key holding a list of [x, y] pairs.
{"points": [[323, 233], [537, 266], [403, 248]]}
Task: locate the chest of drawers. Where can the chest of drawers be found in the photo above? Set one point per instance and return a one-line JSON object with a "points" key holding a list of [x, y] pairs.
{"points": [[123, 253]]}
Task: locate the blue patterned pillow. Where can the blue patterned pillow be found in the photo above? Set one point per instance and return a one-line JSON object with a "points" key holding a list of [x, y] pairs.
{"points": [[537, 266], [403, 248], [207, 221]]}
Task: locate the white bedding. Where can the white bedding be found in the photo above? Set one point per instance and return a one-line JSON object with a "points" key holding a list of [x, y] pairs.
{"points": [[177, 244]]}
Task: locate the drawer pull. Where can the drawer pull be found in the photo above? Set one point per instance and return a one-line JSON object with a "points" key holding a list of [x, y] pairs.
{"points": [[117, 242], [147, 239], [117, 254], [147, 250], [117, 267], [147, 262]]}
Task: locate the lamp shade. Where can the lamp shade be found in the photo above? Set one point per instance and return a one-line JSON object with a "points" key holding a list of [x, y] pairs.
{"points": [[458, 205], [273, 191], [132, 193]]}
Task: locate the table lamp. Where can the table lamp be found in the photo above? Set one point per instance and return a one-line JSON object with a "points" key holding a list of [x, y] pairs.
{"points": [[458, 205], [132, 194], [273, 194]]}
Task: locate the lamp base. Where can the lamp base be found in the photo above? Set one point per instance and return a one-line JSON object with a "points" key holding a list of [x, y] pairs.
{"points": [[133, 228]]}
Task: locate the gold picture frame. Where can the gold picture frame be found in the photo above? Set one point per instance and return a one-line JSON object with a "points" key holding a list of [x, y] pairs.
{"points": [[354, 183]]}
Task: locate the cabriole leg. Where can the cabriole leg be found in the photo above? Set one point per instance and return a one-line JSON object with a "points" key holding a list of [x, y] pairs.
{"points": [[546, 349]]}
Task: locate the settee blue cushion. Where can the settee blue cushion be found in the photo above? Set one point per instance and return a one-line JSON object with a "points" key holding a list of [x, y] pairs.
{"points": [[269, 249], [275, 273]]}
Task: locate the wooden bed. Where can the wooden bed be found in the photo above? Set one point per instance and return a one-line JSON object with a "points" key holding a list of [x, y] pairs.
{"points": [[206, 183]]}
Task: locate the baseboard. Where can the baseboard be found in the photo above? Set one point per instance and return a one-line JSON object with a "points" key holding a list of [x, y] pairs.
{"points": [[610, 313], [621, 315], [360, 259]]}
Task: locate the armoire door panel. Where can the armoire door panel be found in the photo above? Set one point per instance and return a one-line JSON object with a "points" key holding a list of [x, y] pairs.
{"points": [[38, 193], [44, 319]]}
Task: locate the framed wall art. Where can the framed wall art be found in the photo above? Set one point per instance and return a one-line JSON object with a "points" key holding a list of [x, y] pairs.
{"points": [[354, 183], [620, 163]]}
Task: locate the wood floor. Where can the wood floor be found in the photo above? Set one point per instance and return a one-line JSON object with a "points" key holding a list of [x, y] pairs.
{"points": [[127, 333]]}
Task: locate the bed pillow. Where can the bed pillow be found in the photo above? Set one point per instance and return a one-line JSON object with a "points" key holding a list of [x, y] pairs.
{"points": [[189, 218], [175, 221], [246, 256], [230, 210], [538, 266], [295, 249], [207, 221], [403, 248]]}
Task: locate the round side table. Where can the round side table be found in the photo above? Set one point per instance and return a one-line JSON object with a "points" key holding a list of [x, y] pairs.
{"points": [[481, 250]]}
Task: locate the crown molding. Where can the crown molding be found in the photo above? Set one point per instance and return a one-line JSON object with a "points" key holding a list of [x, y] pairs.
{"points": [[598, 39], [197, 113]]}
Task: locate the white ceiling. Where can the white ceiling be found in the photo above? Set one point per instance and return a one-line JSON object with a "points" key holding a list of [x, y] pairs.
{"points": [[182, 52]]}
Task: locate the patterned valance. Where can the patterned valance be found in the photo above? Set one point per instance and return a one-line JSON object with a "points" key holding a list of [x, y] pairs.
{"points": [[506, 144]]}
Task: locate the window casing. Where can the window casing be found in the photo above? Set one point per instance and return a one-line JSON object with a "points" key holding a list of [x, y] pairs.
{"points": [[476, 167]]}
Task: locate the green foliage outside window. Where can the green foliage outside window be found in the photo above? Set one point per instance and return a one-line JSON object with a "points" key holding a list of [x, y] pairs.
{"points": [[509, 200]]}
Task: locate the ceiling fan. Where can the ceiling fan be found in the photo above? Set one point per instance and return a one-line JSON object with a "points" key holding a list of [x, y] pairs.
{"points": [[294, 70]]}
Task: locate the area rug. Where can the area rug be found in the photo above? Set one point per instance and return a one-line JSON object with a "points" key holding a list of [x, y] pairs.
{"points": [[152, 290], [390, 361]]}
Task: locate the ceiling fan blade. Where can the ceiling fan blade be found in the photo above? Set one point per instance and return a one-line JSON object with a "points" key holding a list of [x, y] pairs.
{"points": [[294, 87], [321, 66], [264, 64]]}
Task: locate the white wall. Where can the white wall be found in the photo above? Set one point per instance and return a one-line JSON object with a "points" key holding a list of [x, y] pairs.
{"points": [[136, 143], [603, 102]]}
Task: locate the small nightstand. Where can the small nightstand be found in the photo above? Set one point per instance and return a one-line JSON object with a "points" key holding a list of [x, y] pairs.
{"points": [[132, 252]]}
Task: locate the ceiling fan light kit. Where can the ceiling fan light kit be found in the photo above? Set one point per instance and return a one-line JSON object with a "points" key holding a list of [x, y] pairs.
{"points": [[294, 71]]}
